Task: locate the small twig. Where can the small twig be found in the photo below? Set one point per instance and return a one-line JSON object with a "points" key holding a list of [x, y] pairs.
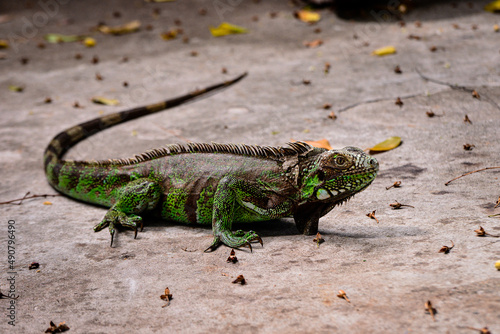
{"points": [[474, 171], [483, 330], [28, 197]]}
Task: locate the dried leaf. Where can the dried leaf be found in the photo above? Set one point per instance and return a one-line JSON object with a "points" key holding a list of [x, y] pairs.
{"points": [[322, 143], [386, 145], [127, 28], [60, 38], [89, 42], [319, 239], [386, 50], [47, 203], [372, 216], [342, 294], [227, 29], [171, 34], [232, 257], [240, 279], [167, 297], [396, 184], [62, 327], [15, 88], [493, 7], [398, 205], [314, 44], [307, 16], [34, 265], [429, 309], [446, 249], [4, 44], [497, 265], [105, 101]]}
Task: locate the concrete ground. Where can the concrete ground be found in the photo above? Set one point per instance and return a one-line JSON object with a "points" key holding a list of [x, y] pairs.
{"points": [[389, 269]]}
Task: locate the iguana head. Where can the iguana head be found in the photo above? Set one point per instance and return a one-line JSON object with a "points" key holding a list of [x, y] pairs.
{"points": [[334, 176]]}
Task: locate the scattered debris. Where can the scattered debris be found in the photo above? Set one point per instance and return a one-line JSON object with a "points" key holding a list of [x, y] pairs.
{"points": [[167, 296], [105, 101], [319, 239], [332, 115], [34, 265], [483, 330], [396, 184], [306, 82], [62, 327], [171, 34], [47, 100], [322, 143], [227, 29], [398, 205], [399, 102], [7, 296], [89, 42], [17, 89], [467, 119], [497, 203], [98, 76], [313, 44], [240, 279], [480, 232], [307, 16], [372, 216], [232, 257], [343, 295], [446, 249], [397, 70], [326, 106], [127, 28], [475, 94], [431, 310], [327, 68], [415, 37], [469, 147]]}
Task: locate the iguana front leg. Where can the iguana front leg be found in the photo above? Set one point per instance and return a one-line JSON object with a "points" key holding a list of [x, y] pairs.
{"points": [[134, 198], [232, 192]]}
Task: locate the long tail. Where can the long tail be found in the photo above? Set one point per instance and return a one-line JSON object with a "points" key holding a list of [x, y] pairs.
{"points": [[61, 143]]}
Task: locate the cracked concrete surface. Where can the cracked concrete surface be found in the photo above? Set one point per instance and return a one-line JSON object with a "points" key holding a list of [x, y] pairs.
{"points": [[388, 270]]}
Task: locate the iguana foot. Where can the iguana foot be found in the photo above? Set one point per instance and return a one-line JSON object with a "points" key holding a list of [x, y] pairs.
{"points": [[114, 218], [235, 239]]}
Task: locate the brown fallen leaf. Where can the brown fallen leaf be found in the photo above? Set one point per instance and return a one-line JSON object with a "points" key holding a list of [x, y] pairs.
{"points": [[322, 143], [372, 216], [469, 147], [480, 232], [396, 184], [34, 265], [343, 295], [62, 327], [475, 94], [431, 310], [399, 102], [327, 68], [467, 119], [497, 203], [483, 330], [398, 205], [167, 296], [397, 70], [326, 106], [332, 115], [446, 249], [232, 257], [240, 279], [319, 239], [313, 44], [171, 34]]}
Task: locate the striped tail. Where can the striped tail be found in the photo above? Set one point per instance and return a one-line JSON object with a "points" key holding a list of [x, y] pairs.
{"points": [[61, 143]]}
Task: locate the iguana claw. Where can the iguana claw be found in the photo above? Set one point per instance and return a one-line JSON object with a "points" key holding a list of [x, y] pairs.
{"points": [[113, 218]]}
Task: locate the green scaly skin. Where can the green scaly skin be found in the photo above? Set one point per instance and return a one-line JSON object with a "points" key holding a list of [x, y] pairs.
{"points": [[214, 184]]}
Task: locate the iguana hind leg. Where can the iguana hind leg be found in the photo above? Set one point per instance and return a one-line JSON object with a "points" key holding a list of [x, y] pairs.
{"points": [[136, 197]]}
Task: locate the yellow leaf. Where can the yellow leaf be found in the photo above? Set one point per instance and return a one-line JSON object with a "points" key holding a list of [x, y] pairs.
{"points": [[322, 143], [497, 265], [105, 101], [171, 34], [307, 16], [493, 6], [60, 38], [496, 28], [127, 28], [47, 203], [89, 42], [4, 44], [386, 50], [227, 29], [386, 145], [14, 88]]}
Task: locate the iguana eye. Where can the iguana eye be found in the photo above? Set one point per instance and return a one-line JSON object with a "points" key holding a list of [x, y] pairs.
{"points": [[340, 160]]}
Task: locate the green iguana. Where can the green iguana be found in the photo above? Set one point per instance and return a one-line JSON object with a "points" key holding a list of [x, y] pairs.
{"points": [[213, 183]]}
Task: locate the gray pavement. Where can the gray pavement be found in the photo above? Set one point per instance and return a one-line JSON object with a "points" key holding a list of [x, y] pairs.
{"points": [[388, 269]]}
